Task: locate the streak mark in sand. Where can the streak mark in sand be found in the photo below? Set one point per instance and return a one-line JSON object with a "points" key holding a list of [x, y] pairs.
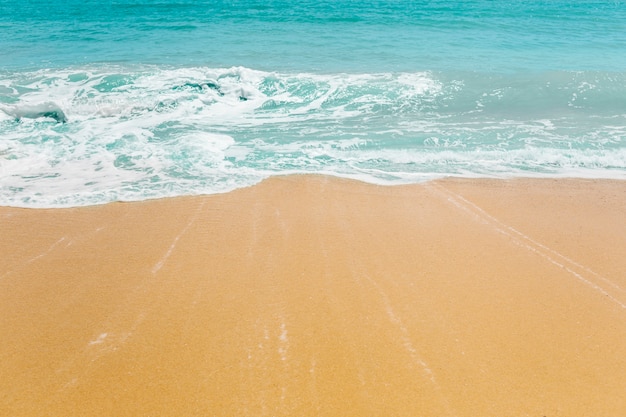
{"points": [[358, 270], [50, 249], [99, 339], [408, 344], [530, 244], [283, 347], [164, 258], [36, 257], [283, 342], [77, 365]]}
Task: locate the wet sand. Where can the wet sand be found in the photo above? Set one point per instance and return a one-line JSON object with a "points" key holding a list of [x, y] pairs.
{"points": [[314, 296]]}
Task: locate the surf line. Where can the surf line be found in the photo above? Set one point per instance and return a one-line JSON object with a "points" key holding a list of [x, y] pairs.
{"points": [[163, 259], [526, 242]]}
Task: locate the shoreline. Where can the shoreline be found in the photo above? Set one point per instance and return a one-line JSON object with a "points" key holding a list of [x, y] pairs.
{"points": [[317, 295], [447, 178]]}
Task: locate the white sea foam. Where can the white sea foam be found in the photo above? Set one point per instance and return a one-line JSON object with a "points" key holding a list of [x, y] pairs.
{"points": [[136, 133]]}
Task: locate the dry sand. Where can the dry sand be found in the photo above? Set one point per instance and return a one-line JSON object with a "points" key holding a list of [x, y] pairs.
{"points": [[313, 296]]}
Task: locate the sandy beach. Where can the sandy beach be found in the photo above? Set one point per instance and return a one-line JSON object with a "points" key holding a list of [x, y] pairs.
{"points": [[317, 296]]}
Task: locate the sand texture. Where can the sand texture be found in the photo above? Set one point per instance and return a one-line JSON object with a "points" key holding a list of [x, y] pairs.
{"points": [[314, 296]]}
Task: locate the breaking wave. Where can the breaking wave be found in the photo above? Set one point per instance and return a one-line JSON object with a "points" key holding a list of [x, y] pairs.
{"points": [[90, 135]]}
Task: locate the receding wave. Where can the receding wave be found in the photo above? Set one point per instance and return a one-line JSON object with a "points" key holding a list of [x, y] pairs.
{"points": [[89, 135]]}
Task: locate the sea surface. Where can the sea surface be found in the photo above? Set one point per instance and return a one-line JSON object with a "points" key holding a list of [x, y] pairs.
{"points": [[132, 99]]}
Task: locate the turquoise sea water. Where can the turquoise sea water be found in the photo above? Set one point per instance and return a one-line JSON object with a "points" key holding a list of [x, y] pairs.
{"points": [[128, 100]]}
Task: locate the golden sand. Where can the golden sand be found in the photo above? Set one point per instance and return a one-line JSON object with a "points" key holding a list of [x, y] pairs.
{"points": [[313, 296]]}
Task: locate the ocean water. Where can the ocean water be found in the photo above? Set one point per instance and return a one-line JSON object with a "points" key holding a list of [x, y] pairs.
{"points": [[132, 99]]}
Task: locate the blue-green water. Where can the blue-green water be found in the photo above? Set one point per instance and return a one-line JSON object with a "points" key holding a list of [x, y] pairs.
{"points": [[162, 98]]}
